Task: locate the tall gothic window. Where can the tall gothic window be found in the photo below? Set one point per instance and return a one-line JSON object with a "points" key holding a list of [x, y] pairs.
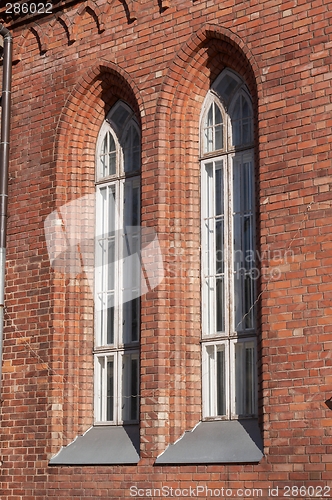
{"points": [[228, 251], [117, 269]]}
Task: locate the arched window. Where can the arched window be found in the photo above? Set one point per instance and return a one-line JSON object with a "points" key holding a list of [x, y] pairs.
{"points": [[228, 251], [117, 268]]}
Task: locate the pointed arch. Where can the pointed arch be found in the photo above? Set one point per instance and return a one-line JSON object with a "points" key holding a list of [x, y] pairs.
{"points": [[130, 7], [74, 154], [41, 37], [183, 89], [95, 13], [67, 24]]}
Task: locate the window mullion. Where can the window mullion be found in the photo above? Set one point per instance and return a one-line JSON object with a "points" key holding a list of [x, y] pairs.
{"points": [[119, 261]]}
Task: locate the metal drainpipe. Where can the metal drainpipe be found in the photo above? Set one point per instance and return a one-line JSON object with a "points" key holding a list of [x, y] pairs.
{"points": [[4, 163]]}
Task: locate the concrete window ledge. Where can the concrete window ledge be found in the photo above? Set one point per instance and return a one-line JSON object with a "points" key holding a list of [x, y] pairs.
{"points": [[102, 445], [232, 441]]}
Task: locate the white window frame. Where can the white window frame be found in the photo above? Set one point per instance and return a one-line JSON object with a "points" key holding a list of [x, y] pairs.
{"points": [[123, 350], [230, 336]]}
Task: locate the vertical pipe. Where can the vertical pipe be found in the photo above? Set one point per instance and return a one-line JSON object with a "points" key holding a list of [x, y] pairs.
{"points": [[4, 163]]}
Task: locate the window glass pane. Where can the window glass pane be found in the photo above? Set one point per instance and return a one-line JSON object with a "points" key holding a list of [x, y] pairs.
{"points": [[236, 123], [221, 386], [209, 120], [226, 87], [110, 319], [101, 402], [219, 188], [108, 156], [242, 122], [136, 165], [117, 271], [131, 150], [236, 115], [220, 303], [219, 248], [119, 117], [210, 365], [110, 391], [246, 109], [219, 237], [128, 151], [213, 133], [131, 262], [217, 115], [134, 389], [245, 378], [130, 387], [208, 131], [246, 131], [249, 381], [131, 319], [218, 137], [244, 244]]}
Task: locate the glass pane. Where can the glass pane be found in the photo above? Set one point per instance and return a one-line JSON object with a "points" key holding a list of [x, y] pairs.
{"points": [[209, 119], [237, 109], [248, 202], [112, 163], [131, 319], [119, 116], [110, 319], [248, 312], [218, 137], [210, 380], [136, 151], [246, 131], [100, 389], [110, 391], [128, 151], [219, 189], [244, 244], [219, 246], [226, 87], [111, 264], [246, 109], [221, 393], [104, 161], [135, 207], [220, 304], [237, 123], [249, 381], [245, 378], [130, 385], [134, 389], [108, 156], [134, 319]]}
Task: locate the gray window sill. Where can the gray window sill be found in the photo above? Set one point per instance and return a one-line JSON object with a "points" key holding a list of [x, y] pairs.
{"points": [[102, 445], [232, 441]]}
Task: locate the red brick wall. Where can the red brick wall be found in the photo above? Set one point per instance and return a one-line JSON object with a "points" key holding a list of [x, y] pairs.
{"points": [[68, 72]]}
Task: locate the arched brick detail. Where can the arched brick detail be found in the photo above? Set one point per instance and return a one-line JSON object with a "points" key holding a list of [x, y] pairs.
{"points": [[193, 70], [67, 24], [94, 10], [74, 177], [19, 46], [90, 87], [130, 7], [41, 37]]}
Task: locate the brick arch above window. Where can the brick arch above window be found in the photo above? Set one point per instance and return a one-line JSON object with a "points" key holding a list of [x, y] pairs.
{"points": [[90, 100], [73, 163]]}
